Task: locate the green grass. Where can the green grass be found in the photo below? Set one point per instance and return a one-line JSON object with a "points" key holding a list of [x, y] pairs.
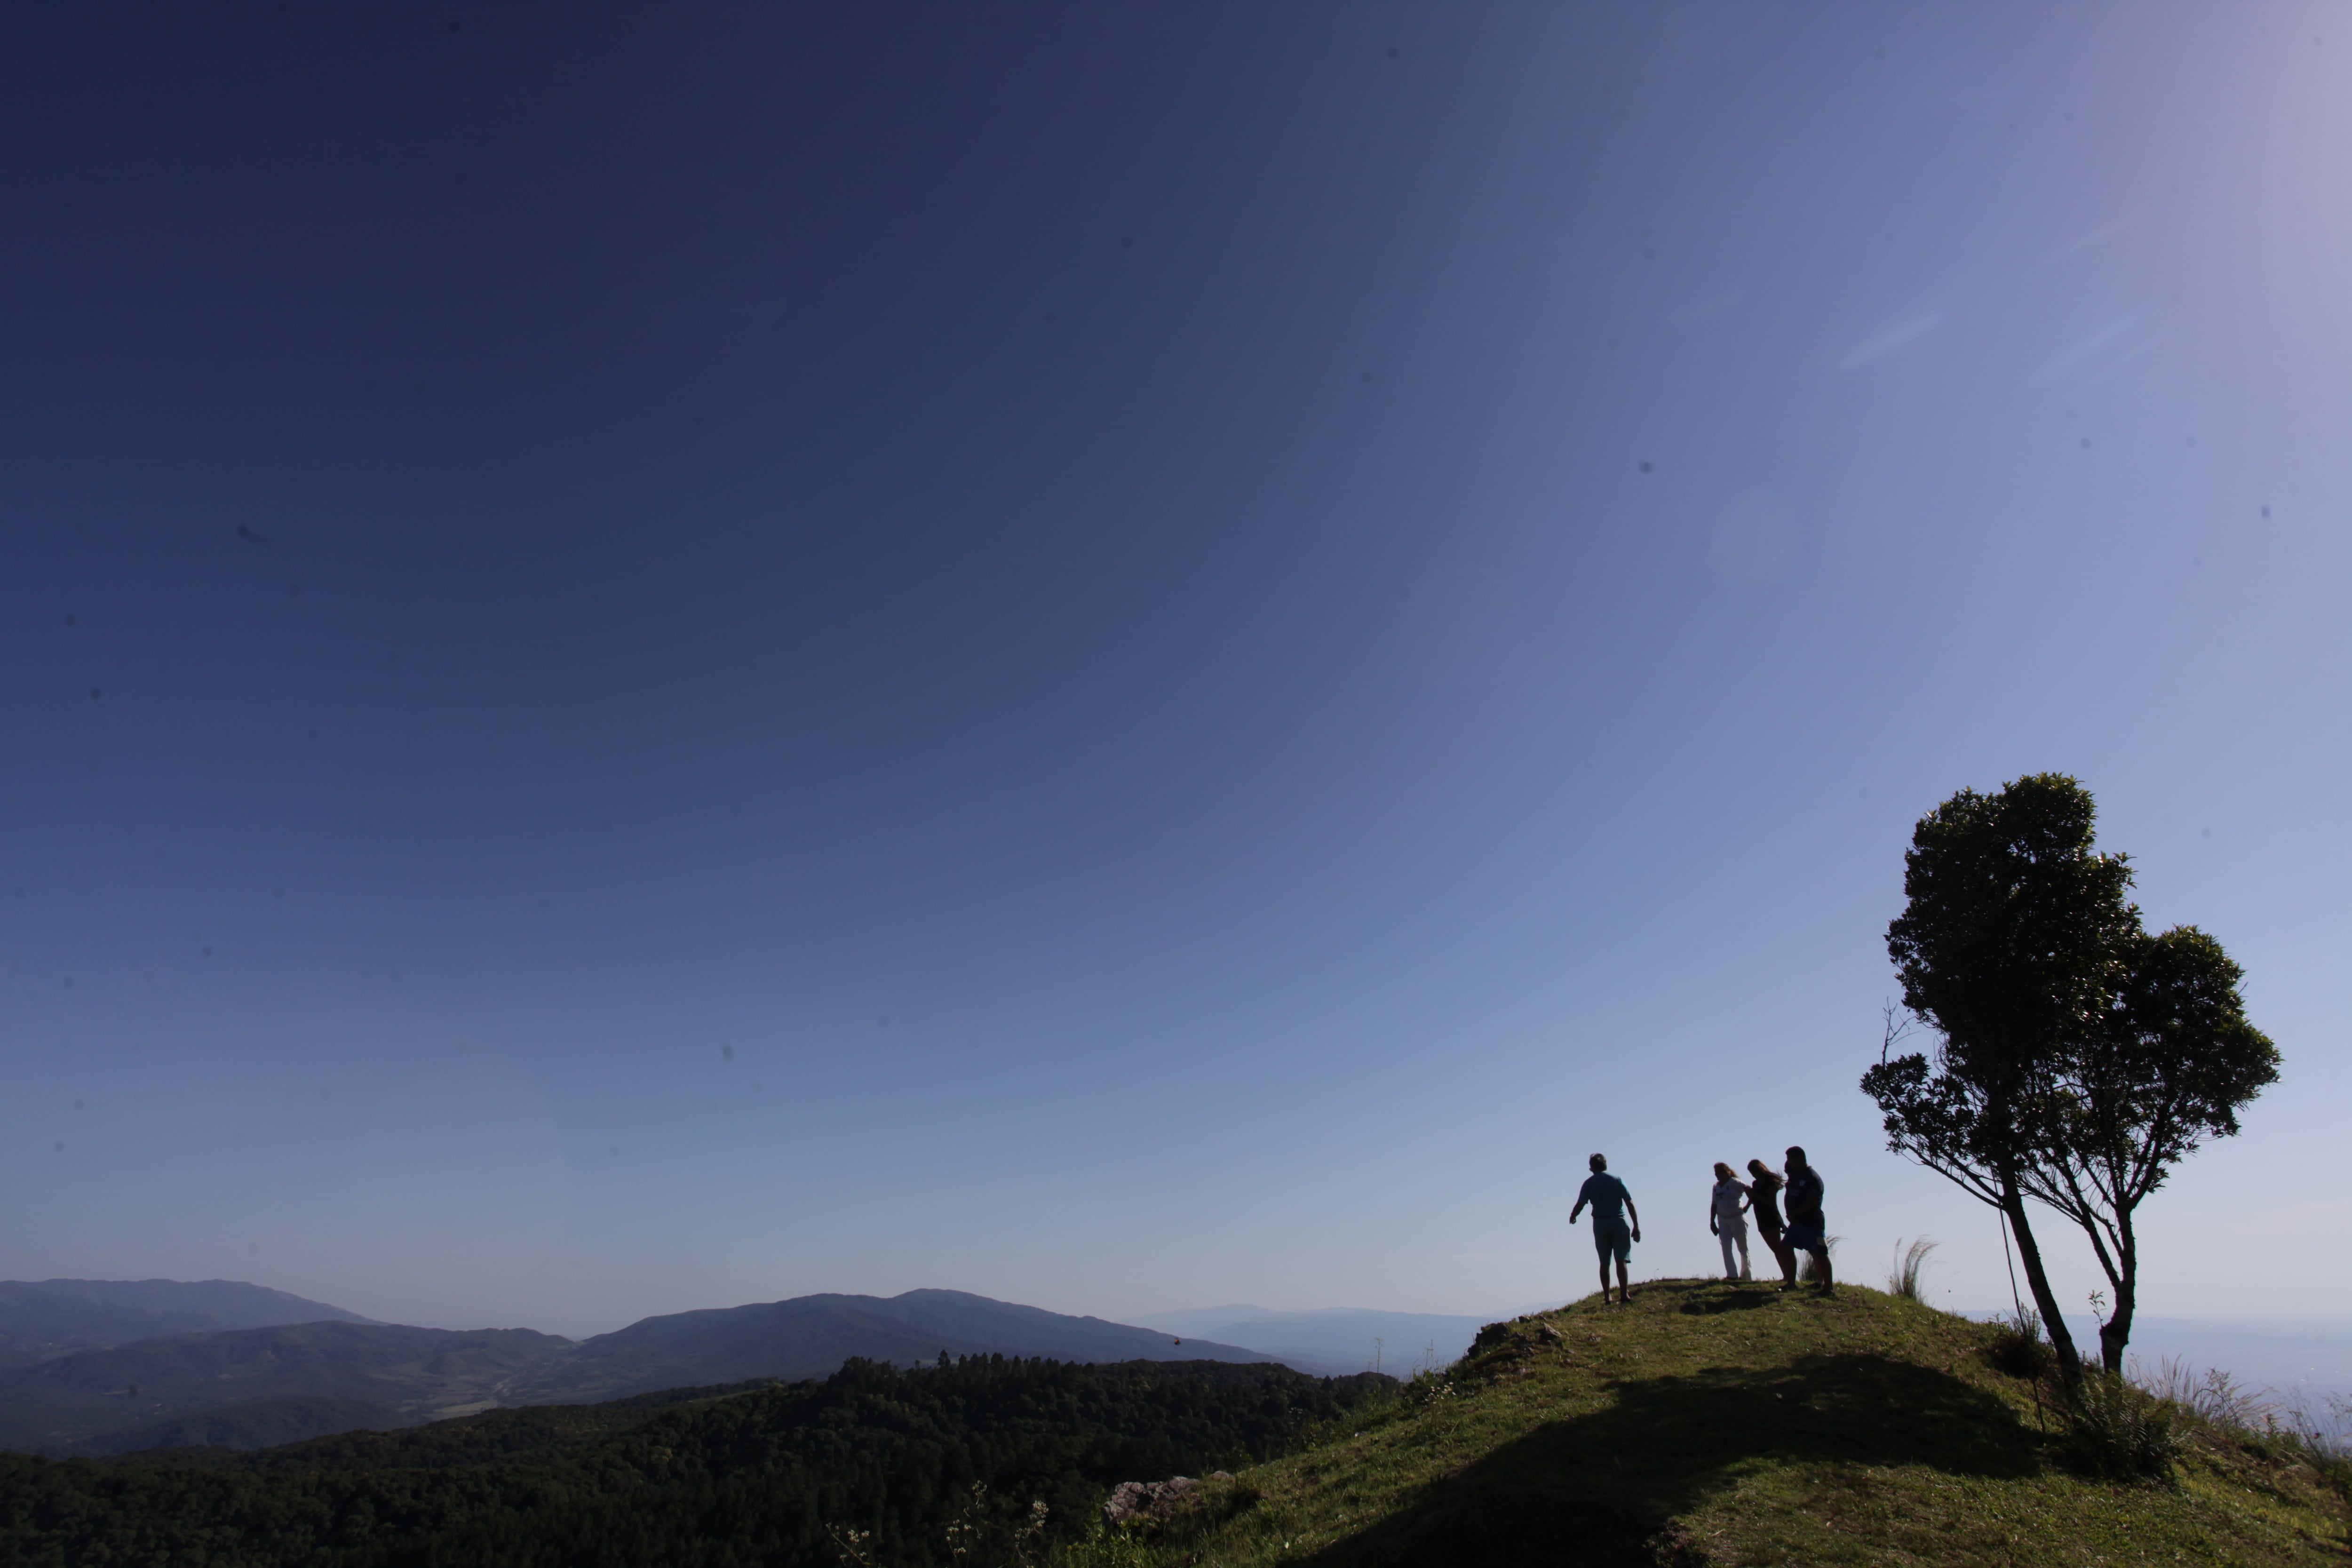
{"points": [[1721, 1423]]}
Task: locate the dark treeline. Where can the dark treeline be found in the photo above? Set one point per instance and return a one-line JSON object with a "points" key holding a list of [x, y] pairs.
{"points": [[923, 1461]]}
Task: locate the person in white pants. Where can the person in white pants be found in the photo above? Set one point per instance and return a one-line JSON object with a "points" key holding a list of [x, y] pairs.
{"points": [[1726, 1209]]}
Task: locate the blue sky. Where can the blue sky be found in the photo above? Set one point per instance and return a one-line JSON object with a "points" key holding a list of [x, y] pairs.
{"points": [[1120, 657]]}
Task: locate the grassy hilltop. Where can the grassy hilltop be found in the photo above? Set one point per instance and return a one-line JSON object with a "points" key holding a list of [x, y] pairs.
{"points": [[1710, 1423]]}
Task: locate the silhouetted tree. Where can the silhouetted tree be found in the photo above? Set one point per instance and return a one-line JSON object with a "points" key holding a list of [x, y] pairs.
{"points": [[2173, 1063], [2013, 946]]}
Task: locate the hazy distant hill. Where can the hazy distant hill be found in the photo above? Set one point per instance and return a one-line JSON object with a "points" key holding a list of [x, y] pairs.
{"points": [[810, 1336], [46, 1318], [258, 1387], [351, 1373], [1335, 1340]]}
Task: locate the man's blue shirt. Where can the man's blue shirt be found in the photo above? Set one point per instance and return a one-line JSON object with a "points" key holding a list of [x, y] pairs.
{"points": [[1607, 1195]]}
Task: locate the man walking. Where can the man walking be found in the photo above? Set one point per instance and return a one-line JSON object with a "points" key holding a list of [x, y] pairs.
{"points": [[1806, 1230], [1612, 1204]]}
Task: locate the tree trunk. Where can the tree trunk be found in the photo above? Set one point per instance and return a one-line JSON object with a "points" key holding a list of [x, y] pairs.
{"points": [[2115, 1332], [2053, 1323]]}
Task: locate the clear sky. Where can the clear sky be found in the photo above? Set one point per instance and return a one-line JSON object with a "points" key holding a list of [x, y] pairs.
{"points": [[1127, 657]]}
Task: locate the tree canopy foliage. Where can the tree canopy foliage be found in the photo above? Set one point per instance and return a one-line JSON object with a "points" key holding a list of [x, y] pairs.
{"points": [[2078, 1058], [2169, 1066]]}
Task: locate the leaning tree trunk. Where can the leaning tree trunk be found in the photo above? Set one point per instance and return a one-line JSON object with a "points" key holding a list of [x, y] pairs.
{"points": [[2012, 1204], [2115, 1332]]}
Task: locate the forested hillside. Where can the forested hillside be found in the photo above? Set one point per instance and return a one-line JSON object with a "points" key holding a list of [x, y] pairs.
{"points": [[903, 1467]]}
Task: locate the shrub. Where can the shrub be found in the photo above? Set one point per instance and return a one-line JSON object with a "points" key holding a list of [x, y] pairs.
{"points": [[1428, 1387], [2018, 1349], [2119, 1431]]}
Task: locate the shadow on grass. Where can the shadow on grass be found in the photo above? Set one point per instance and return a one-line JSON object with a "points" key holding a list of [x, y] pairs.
{"points": [[1739, 1298], [1602, 1488]]}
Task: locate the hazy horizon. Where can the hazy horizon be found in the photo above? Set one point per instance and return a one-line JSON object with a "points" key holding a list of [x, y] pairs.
{"points": [[1117, 656]]}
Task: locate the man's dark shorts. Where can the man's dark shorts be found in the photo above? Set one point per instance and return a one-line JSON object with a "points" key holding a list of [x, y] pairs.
{"points": [[1806, 1238], [1610, 1237]]}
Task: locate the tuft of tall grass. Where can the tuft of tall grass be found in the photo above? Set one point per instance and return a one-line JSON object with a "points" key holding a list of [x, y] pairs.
{"points": [[2257, 1418], [2330, 1434], [2326, 1441], [2218, 1398], [1910, 1263], [1805, 1259]]}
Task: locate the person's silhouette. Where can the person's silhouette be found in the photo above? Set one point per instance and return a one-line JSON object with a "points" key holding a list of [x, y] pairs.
{"points": [[1808, 1232], [1611, 1237]]}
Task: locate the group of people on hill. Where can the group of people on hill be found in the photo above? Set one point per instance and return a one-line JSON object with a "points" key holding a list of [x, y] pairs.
{"points": [[1617, 1224]]}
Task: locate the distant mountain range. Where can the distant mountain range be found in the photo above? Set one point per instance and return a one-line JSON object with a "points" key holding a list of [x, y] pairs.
{"points": [[110, 1366], [256, 1386], [1335, 1340], [44, 1319], [810, 1336]]}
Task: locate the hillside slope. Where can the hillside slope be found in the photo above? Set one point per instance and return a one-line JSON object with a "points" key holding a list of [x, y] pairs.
{"points": [[1711, 1424]]}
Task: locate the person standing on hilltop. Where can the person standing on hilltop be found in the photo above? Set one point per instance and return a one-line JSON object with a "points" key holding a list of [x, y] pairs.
{"points": [[1764, 1203], [1807, 1229], [1612, 1204], [1724, 1205]]}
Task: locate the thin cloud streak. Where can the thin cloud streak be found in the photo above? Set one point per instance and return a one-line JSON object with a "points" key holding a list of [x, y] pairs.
{"points": [[2086, 349], [1893, 340]]}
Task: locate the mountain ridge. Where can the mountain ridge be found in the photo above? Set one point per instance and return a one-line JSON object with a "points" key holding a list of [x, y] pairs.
{"points": [[252, 1388], [731, 1344], [357, 1372], [1331, 1340], [41, 1319]]}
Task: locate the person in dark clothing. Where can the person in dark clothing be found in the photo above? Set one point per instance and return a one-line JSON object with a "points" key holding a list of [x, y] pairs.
{"points": [[1611, 1205], [1764, 1208], [1806, 1230]]}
